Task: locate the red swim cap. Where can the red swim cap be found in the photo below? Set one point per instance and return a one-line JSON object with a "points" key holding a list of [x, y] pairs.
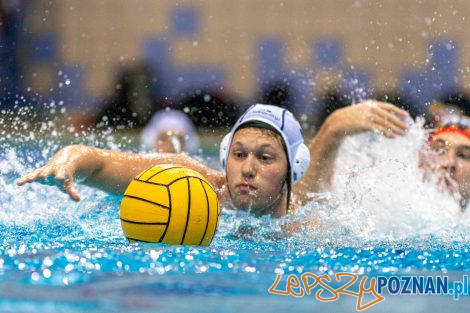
{"points": [[453, 124]]}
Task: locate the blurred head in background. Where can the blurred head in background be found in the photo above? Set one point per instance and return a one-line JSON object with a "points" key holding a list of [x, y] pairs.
{"points": [[170, 131]]}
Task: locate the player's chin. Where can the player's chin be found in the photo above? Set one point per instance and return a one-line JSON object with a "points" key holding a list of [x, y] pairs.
{"points": [[243, 201]]}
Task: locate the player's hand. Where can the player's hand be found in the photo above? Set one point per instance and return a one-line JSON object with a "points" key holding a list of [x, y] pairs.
{"points": [[370, 115], [60, 171]]}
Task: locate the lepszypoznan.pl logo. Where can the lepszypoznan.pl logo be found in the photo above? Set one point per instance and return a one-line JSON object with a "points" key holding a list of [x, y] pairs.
{"points": [[299, 286]]}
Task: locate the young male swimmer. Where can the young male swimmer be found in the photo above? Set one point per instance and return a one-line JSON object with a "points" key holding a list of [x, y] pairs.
{"points": [[451, 159], [267, 166]]}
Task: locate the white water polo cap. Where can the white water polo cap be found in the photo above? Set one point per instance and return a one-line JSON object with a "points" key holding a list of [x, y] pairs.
{"points": [[286, 125]]}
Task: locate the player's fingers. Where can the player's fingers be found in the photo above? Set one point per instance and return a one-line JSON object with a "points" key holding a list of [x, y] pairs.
{"points": [[383, 130], [393, 109], [30, 177], [389, 120], [70, 188]]}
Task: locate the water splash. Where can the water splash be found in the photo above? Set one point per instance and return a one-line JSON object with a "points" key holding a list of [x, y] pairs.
{"points": [[379, 192]]}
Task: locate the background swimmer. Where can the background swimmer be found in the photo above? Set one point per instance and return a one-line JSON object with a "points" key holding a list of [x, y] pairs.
{"points": [[170, 131], [450, 160]]}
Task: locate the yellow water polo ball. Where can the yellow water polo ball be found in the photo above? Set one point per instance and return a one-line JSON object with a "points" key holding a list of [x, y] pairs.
{"points": [[170, 204]]}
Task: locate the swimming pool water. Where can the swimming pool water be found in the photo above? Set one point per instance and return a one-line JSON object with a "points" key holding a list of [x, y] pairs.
{"points": [[61, 256]]}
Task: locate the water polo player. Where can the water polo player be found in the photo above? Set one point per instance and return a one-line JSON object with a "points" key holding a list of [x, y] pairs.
{"points": [[263, 156], [451, 159], [266, 162]]}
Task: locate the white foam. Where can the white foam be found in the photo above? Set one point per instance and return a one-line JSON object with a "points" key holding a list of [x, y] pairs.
{"points": [[379, 192]]}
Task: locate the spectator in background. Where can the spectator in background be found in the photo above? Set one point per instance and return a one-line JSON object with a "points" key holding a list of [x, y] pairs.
{"points": [[277, 93], [458, 99], [132, 102], [439, 112], [455, 103], [170, 131], [209, 110], [330, 102]]}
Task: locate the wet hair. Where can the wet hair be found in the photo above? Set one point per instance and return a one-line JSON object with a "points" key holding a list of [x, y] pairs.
{"points": [[264, 126]]}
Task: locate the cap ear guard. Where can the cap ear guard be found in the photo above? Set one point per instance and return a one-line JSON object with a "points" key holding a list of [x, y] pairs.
{"points": [[223, 151], [300, 163]]}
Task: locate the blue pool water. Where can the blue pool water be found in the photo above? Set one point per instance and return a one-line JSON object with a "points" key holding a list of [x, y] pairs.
{"points": [[61, 256]]}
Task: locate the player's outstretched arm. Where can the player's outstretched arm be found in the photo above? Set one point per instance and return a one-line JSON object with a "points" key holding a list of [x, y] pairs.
{"points": [[105, 169]]}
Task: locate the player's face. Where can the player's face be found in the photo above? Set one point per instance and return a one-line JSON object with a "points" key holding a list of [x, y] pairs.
{"points": [[257, 171], [453, 158]]}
